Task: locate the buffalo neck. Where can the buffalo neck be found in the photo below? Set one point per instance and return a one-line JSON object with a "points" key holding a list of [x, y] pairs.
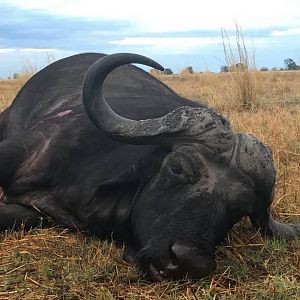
{"points": [[108, 213]]}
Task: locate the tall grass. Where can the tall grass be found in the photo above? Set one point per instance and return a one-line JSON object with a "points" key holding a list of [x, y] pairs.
{"points": [[242, 69]]}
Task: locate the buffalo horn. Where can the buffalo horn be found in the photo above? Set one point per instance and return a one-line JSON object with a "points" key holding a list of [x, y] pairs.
{"points": [[181, 125]]}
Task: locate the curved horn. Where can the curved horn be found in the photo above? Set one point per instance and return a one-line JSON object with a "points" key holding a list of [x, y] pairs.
{"points": [[201, 124], [94, 101]]}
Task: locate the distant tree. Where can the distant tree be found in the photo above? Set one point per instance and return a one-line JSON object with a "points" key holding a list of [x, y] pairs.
{"points": [[290, 64], [264, 69], [224, 69], [16, 76], [233, 68], [238, 67], [187, 70], [274, 69], [168, 71]]}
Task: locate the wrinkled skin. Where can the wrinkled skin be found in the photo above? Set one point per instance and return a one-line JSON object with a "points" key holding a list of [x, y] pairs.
{"points": [[183, 238], [117, 154]]}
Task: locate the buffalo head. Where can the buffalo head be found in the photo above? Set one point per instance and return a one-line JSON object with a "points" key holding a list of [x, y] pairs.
{"points": [[201, 187]]}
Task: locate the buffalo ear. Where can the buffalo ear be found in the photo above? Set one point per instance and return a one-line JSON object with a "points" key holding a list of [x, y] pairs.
{"points": [[140, 173], [129, 175], [150, 163]]}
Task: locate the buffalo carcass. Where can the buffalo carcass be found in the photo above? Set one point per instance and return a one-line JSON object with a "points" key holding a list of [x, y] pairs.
{"points": [[101, 146]]}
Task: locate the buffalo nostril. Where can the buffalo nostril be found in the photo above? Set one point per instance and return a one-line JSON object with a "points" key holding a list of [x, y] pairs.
{"points": [[179, 252]]}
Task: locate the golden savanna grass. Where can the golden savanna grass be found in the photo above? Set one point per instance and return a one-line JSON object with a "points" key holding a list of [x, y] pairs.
{"points": [[57, 264]]}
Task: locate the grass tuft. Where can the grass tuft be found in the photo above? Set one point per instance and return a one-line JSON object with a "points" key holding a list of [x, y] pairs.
{"points": [[242, 70]]}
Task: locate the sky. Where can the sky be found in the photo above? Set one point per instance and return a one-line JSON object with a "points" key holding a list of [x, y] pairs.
{"points": [[174, 33]]}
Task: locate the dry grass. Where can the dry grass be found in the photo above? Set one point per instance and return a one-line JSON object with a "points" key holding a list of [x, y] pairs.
{"points": [[57, 264], [8, 90], [273, 89]]}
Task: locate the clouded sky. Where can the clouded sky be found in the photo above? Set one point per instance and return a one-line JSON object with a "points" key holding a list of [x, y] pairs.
{"points": [[175, 33]]}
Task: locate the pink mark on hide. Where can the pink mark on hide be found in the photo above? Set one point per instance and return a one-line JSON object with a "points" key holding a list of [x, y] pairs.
{"points": [[63, 113], [58, 115]]}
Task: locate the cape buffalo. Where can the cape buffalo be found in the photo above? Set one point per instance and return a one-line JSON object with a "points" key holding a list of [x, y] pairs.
{"points": [[99, 145]]}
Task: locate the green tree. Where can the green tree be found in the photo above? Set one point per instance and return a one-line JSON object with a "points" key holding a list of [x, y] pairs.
{"points": [[264, 69], [290, 64], [224, 69], [168, 71]]}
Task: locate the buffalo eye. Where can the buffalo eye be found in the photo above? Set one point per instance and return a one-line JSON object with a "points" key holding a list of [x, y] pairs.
{"points": [[176, 170], [173, 175]]}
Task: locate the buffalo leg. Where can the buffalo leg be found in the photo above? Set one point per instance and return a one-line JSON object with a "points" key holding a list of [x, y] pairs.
{"points": [[11, 156], [15, 216], [3, 117], [11, 152], [263, 220]]}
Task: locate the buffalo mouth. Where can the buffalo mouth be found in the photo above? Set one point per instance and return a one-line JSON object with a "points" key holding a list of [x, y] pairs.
{"points": [[153, 272], [179, 262], [156, 275]]}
